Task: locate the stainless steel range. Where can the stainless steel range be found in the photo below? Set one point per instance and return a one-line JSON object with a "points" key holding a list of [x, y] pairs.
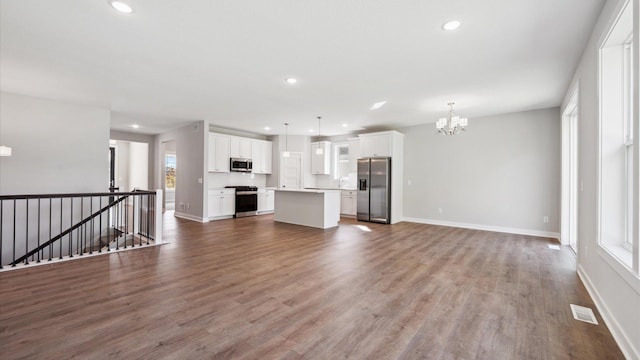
{"points": [[246, 200]]}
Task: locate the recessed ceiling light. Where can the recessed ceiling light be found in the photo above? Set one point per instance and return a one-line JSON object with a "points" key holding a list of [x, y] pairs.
{"points": [[451, 25], [291, 81], [311, 130], [267, 128], [345, 125], [135, 126], [378, 105], [122, 7]]}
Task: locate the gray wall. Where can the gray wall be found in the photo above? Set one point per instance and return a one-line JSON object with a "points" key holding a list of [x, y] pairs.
{"points": [[57, 147], [191, 163], [617, 297], [504, 171]]}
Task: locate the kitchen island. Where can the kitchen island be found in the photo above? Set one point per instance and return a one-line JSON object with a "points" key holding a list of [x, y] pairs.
{"points": [[308, 207]]}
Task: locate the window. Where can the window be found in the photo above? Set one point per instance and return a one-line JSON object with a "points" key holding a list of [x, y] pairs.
{"points": [[616, 161], [170, 171], [341, 161], [628, 138]]}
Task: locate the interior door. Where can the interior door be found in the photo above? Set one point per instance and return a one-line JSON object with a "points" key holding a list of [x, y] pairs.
{"points": [[291, 171]]}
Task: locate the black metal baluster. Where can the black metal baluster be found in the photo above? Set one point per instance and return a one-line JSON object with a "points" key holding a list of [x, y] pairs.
{"points": [[41, 251], [60, 254], [91, 232], [100, 230], [80, 232], [71, 232], [50, 243], [133, 226], [126, 220], [14, 233], [26, 236], [117, 223], [148, 213]]}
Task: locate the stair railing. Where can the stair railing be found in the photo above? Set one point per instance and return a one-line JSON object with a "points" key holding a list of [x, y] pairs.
{"points": [[34, 228]]}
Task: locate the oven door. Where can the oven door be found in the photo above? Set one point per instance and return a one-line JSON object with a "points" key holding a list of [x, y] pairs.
{"points": [[246, 203]]}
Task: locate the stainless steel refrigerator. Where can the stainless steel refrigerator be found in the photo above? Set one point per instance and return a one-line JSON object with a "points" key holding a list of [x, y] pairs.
{"points": [[374, 189]]}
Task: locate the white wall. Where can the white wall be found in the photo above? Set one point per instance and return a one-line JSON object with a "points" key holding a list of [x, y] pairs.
{"points": [[57, 147], [146, 139], [617, 296], [122, 166], [191, 163], [503, 172], [138, 166], [294, 143]]}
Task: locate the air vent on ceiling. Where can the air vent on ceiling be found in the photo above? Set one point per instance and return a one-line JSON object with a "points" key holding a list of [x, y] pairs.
{"points": [[583, 314]]}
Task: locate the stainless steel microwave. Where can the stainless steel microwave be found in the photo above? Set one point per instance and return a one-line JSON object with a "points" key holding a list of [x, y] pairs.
{"points": [[240, 164]]}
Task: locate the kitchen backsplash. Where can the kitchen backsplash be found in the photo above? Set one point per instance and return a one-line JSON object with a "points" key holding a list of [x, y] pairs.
{"points": [[220, 180]]}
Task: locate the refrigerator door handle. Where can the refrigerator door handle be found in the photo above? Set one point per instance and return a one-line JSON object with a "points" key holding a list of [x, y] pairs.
{"points": [[362, 185]]}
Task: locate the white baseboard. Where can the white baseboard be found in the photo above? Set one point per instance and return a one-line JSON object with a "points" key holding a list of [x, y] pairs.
{"points": [[189, 217], [546, 234], [626, 346]]}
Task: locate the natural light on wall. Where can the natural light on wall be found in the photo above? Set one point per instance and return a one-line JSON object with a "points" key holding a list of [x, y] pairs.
{"points": [[616, 161]]}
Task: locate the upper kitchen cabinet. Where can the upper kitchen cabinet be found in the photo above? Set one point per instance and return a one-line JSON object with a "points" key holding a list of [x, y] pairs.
{"points": [[354, 154], [321, 158], [261, 156], [386, 143], [218, 153], [376, 144], [240, 148]]}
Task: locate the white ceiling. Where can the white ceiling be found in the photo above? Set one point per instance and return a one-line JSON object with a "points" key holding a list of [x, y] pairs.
{"points": [[172, 62]]}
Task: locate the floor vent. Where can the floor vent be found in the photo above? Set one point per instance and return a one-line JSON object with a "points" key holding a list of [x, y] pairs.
{"points": [[583, 314], [554, 247]]}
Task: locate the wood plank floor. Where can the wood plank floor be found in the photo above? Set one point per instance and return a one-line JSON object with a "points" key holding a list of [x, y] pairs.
{"points": [[253, 289]]}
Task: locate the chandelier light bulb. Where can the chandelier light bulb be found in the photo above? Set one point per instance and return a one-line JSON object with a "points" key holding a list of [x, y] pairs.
{"points": [[452, 124]]}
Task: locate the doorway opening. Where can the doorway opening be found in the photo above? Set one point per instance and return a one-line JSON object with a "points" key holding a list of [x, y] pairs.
{"points": [[569, 223], [170, 165], [128, 165]]}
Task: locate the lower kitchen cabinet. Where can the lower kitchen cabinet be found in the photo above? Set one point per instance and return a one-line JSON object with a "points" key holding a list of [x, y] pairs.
{"points": [[349, 202], [266, 201], [222, 202]]}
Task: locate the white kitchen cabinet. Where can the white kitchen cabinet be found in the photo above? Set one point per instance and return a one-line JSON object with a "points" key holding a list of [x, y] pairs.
{"points": [[354, 154], [218, 153], [266, 201], [377, 144], [261, 156], [321, 163], [349, 202], [240, 148], [222, 202]]}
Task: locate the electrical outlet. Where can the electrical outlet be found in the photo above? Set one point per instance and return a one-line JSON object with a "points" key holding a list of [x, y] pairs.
{"points": [[181, 206], [409, 182], [545, 219], [199, 180], [440, 210], [188, 205]]}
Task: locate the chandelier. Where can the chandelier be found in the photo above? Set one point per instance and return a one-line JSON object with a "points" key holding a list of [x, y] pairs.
{"points": [[452, 124]]}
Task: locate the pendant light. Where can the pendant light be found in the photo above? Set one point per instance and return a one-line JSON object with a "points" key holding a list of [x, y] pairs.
{"points": [[319, 149], [286, 153]]}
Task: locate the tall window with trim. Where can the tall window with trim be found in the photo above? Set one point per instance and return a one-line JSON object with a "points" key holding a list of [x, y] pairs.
{"points": [[628, 137], [616, 143]]}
